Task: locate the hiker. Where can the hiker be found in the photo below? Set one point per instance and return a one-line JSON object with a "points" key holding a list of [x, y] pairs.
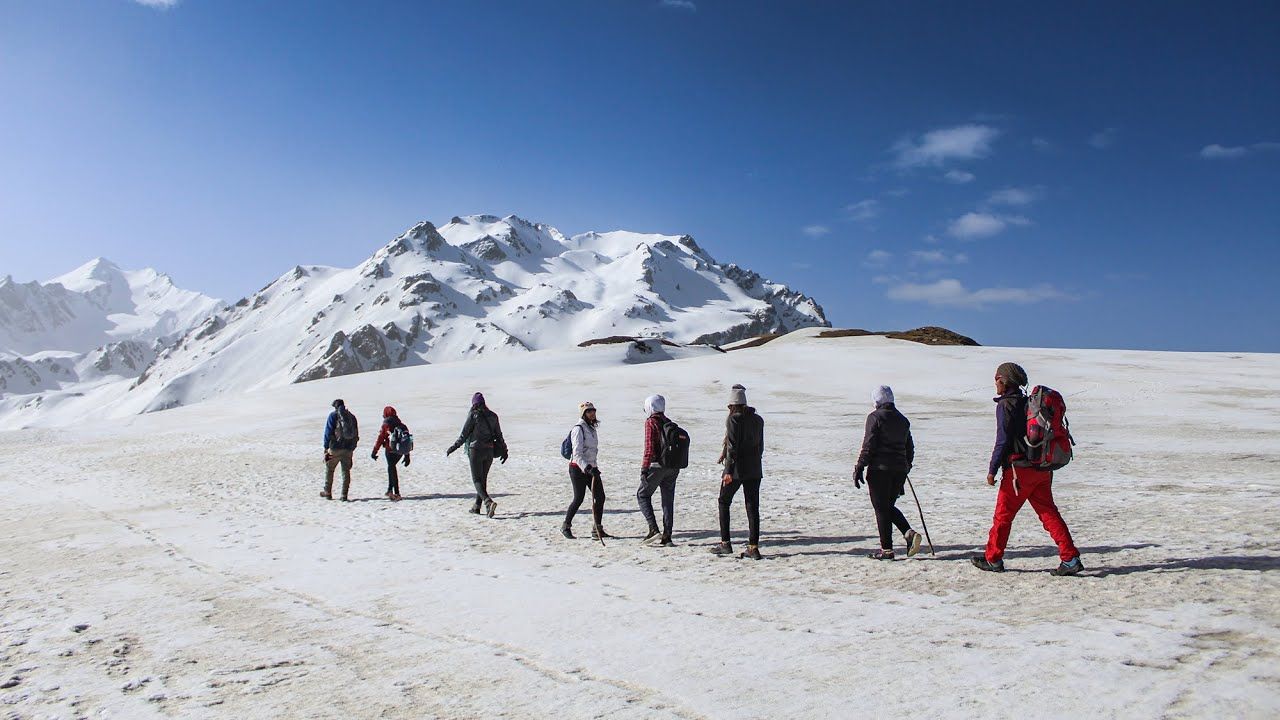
{"points": [[742, 452], [1020, 484], [653, 476], [886, 457], [482, 434], [392, 437], [341, 435], [584, 472]]}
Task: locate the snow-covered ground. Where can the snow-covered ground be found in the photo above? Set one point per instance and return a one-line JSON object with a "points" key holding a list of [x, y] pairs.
{"points": [[181, 563]]}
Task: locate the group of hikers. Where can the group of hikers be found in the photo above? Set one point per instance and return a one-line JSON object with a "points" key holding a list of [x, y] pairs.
{"points": [[1031, 442]]}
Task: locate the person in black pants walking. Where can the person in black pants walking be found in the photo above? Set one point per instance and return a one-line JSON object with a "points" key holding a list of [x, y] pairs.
{"points": [[584, 473], [743, 468], [887, 455], [482, 434], [390, 422]]}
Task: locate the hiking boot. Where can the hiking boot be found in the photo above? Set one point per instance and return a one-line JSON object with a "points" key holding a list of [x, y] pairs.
{"points": [[391, 495], [346, 499], [913, 542], [326, 494], [722, 548], [653, 537], [597, 533], [475, 509], [489, 507], [1068, 568], [980, 562], [882, 555], [753, 552], [666, 541], [567, 532], [397, 497]]}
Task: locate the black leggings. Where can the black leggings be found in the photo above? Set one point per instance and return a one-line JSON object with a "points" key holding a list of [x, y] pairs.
{"points": [[750, 493], [885, 486], [393, 475], [481, 461], [581, 481]]}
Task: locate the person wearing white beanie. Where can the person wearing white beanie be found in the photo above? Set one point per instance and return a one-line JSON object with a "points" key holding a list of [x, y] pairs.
{"points": [[654, 476], [743, 468], [887, 455]]}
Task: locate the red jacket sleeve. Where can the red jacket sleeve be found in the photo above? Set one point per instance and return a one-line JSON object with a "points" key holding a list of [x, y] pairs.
{"points": [[382, 438], [652, 433]]}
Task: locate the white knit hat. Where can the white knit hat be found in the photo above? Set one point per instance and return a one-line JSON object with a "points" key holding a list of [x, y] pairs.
{"points": [[655, 404], [882, 395], [738, 395], [583, 407]]}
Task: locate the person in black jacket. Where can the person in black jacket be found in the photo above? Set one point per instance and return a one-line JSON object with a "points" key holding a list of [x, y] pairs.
{"points": [[887, 455], [743, 468], [482, 434]]}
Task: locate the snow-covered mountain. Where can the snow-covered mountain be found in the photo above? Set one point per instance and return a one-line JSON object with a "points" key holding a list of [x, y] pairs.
{"points": [[479, 286], [95, 305], [96, 323]]}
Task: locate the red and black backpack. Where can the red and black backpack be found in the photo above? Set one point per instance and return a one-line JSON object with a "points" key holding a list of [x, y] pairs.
{"points": [[1048, 440]]}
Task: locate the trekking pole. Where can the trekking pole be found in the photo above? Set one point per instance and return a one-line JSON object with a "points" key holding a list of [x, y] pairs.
{"points": [[599, 530], [921, 510]]}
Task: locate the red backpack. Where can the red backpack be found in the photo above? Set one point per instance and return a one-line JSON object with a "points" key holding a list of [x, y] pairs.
{"points": [[1048, 439]]}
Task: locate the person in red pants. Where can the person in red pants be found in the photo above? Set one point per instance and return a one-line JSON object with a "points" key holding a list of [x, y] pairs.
{"points": [[1020, 485]]}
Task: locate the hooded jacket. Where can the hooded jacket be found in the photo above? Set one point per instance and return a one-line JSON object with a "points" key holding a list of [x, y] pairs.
{"points": [[1011, 429], [390, 421], [744, 445], [886, 441]]}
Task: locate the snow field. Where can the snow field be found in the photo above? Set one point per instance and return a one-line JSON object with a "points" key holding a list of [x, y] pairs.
{"points": [[215, 583]]}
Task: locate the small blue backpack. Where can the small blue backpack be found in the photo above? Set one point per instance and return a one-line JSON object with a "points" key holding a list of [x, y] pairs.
{"points": [[566, 445]]}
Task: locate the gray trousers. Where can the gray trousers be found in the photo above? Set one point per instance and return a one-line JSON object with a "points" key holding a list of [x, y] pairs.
{"points": [[651, 479]]}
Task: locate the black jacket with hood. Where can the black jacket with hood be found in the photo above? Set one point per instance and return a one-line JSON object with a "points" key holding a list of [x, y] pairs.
{"points": [[886, 442], [744, 445]]}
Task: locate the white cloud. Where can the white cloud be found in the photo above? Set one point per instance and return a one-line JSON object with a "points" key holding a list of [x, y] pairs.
{"points": [[980, 224], [680, 5], [1218, 152], [863, 210], [959, 177], [938, 257], [158, 4], [878, 258], [1104, 138], [950, 292], [964, 142], [815, 231], [1011, 196]]}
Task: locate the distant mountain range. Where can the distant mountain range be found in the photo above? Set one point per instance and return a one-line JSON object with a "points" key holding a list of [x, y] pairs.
{"points": [[104, 339]]}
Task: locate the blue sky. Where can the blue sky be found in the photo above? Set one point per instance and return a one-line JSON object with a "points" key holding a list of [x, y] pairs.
{"points": [[1089, 175]]}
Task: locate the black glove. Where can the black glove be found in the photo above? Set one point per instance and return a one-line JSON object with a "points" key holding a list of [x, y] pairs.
{"points": [[504, 459], [374, 454], [857, 478], [406, 461], [449, 452]]}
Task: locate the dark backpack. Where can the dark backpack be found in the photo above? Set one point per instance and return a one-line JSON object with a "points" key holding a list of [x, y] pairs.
{"points": [[400, 441], [673, 446], [566, 445], [1048, 440], [344, 429]]}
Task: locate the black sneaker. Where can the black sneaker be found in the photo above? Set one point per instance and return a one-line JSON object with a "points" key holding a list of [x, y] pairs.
{"points": [[596, 534], [753, 552], [475, 509], [913, 542], [666, 541], [722, 549], [489, 507], [566, 531], [653, 537], [980, 562], [882, 555], [1072, 568]]}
